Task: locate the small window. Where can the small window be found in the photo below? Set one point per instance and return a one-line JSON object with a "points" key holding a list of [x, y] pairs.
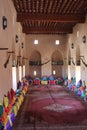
{"points": [[35, 73], [77, 33], [35, 42], [57, 42], [54, 72]]}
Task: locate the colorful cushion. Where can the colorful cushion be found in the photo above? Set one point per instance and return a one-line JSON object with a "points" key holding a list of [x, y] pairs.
{"points": [[1, 126], [9, 96], [1, 110], [44, 82], [5, 101], [51, 77], [12, 93], [79, 84], [44, 78]]}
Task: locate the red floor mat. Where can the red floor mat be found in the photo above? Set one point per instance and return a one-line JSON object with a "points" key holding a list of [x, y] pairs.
{"points": [[51, 107]]}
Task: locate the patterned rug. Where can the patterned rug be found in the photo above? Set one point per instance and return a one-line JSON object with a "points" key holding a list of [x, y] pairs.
{"points": [[51, 108]]}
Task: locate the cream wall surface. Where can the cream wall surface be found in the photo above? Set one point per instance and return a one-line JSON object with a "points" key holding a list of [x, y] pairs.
{"points": [[79, 31], [46, 47], [7, 40]]}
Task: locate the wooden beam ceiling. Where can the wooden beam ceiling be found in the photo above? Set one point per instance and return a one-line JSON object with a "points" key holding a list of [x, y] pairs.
{"points": [[43, 30], [50, 16], [21, 17]]}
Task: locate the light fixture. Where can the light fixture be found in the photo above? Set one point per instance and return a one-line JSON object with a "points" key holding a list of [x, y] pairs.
{"points": [[16, 38], [4, 22], [57, 42], [35, 42]]}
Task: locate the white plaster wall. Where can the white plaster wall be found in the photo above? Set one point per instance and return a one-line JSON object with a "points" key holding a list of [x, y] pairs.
{"points": [[46, 47], [7, 40], [78, 32]]}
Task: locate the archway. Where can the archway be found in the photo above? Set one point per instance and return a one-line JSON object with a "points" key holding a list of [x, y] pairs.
{"points": [[14, 72], [35, 64], [78, 67], [57, 64], [69, 64]]}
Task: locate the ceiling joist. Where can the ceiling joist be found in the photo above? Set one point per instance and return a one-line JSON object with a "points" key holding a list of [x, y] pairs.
{"points": [[21, 17], [50, 16], [28, 30]]}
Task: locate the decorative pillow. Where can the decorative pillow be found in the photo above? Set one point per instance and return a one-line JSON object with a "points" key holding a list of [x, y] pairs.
{"points": [[12, 93], [1, 109], [1, 126], [79, 84], [51, 77], [5, 101], [9, 96], [44, 78], [36, 78]]}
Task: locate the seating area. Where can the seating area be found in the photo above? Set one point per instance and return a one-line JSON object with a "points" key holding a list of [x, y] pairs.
{"points": [[79, 88], [11, 105], [44, 80], [14, 99]]}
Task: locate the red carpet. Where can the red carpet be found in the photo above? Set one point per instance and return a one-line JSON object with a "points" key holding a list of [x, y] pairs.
{"points": [[51, 106]]}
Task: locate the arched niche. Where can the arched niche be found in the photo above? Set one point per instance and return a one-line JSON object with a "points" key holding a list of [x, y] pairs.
{"points": [[57, 63], [78, 55], [35, 64]]}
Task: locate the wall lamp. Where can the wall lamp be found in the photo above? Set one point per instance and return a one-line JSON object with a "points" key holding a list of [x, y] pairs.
{"points": [[4, 22], [82, 58]]}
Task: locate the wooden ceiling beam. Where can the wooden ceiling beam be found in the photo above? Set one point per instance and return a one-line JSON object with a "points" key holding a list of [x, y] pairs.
{"points": [[21, 17], [41, 30]]}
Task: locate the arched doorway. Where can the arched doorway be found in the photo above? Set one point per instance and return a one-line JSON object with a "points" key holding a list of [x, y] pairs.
{"points": [[35, 64], [78, 67], [57, 64]]}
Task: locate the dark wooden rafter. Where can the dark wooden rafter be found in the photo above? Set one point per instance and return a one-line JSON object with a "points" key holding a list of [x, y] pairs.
{"points": [[49, 17], [45, 30], [48, 14]]}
